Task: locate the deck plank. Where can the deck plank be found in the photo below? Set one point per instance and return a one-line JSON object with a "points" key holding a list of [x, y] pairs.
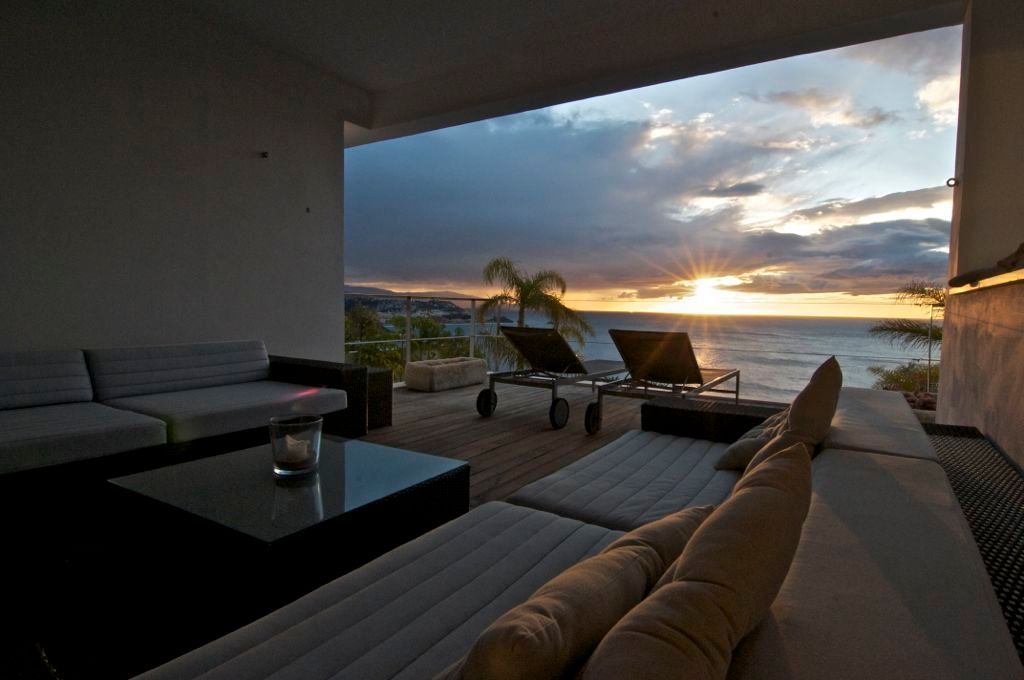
{"points": [[513, 447]]}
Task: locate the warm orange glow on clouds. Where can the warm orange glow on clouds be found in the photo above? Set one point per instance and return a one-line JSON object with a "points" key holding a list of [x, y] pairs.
{"points": [[711, 296]]}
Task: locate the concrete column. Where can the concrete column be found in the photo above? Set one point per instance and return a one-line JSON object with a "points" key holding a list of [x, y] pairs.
{"points": [[982, 374]]}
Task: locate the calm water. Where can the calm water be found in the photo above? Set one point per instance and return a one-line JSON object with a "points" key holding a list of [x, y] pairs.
{"points": [[775, 354]]}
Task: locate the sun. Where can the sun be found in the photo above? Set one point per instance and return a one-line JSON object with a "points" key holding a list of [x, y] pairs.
{"points": [[707, 296]]}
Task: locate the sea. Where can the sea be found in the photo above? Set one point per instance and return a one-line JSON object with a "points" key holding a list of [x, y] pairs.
{"points": [[776, 355]]}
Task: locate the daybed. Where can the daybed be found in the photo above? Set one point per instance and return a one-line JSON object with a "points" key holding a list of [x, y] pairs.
{"points": [[60, 407], [886, 581]]}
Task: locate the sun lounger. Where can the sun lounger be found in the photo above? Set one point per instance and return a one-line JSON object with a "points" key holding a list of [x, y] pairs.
{"points": [[552, 364], [660, 363]]}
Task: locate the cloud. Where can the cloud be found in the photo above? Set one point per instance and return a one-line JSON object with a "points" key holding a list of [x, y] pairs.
{"points": [[828, 110], [940, 97], [733, 190], [928, 54], [862, 259], [639, 207], [671, 291], [902, 200]]}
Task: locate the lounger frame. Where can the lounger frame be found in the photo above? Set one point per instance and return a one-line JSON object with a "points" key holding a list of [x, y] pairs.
{"points": [[553, 364], [660, 363]]}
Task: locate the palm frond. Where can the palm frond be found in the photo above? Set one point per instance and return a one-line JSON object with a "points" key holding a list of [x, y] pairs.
{"points": [[493, 305], [547, 280], [503, 271], [923, 293], [907, 333], [566, 321]]}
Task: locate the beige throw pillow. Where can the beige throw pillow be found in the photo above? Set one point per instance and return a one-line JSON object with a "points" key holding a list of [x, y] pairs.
{"points": [[750, 442], [810, 414], [724, 581], [806, 420], [552, 634]]}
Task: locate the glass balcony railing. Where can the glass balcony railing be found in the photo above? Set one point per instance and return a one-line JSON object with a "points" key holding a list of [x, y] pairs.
{"points": [[775, 354]]}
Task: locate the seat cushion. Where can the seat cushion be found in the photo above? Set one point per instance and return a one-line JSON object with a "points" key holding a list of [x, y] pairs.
{"points": [[42, 378], [129, 371], [209, 411], [886, 583], [61, 433], [878, 420], [636, 479], [408, 614]]}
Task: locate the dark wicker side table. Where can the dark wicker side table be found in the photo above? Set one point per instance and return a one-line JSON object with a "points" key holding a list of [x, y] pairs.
{"points": [[720, 420], [379, 385]]}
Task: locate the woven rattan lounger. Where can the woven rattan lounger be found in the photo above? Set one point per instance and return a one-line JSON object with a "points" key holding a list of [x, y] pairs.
{"points": [[552, 365], [660, 363]]}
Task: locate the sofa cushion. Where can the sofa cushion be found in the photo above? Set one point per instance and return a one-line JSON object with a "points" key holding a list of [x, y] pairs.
{"points": [[408, 614], [62, 433], [806, 420], [42, 378], [739, 453], [638, 478], [810, 414], [552, 633], [878, 420], [666, 536], [724, 582], [129, 371], [774, 445], [209, 411], [886, 583]]}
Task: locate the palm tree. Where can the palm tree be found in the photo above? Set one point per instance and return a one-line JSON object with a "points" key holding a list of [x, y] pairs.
{"points": [[541, 292], [912, 333]]}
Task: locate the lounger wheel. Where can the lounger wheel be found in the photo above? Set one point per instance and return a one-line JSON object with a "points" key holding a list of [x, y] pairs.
{"points": [[486, 402], [592, 419], [559, 413]]}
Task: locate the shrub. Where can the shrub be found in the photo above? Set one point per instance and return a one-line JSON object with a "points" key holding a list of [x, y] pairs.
{"points": [[909, 377]]}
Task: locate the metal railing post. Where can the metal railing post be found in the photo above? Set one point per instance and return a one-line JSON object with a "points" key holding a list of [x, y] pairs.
{"points": [[931, 332], [408, 328], [472, 328]]}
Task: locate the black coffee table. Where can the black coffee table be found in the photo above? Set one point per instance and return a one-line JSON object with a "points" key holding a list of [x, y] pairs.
{"points": [[357, 482], [197, 549]]}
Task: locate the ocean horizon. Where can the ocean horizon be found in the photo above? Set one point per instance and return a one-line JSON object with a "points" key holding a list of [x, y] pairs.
{"points": [[776, 355]]}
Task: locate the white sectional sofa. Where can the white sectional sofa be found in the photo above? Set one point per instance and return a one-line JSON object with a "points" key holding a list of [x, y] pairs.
{"points": [[202, 390], [59, 407], [48, 416], [886, 582]]}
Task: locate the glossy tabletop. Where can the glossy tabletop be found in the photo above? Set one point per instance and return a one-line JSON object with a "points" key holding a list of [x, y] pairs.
{"points": [[240, 490]]}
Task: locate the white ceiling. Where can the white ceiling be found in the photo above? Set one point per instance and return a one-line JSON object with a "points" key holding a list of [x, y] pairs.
{"points": [[434, 63]]}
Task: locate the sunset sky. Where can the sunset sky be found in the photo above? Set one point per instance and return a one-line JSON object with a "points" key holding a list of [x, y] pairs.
{"points": [[806, 186]]}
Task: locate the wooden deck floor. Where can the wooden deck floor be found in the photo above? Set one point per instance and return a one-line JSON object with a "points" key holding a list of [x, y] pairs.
{"points": [[513, 447]]}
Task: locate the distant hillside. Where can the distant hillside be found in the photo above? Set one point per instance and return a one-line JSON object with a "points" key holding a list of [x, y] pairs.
{"points": [[442, 310], [369, 290]]}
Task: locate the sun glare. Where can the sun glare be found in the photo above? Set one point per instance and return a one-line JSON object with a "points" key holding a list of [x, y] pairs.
{"points": [[708, 297]]}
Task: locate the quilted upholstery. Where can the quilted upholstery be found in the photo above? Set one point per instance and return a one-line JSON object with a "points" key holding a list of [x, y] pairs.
{"points": [[638, 478], [130, 371], [62, 433], [410, 613], [42, 378], [210, 411]]}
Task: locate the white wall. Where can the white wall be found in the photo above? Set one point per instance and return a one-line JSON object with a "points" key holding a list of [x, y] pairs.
{"points": [[982, 373], [134, 205], [988, 212]]}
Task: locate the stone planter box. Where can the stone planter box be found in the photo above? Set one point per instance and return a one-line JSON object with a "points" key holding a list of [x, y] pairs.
{"points": [[435, 375]]}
